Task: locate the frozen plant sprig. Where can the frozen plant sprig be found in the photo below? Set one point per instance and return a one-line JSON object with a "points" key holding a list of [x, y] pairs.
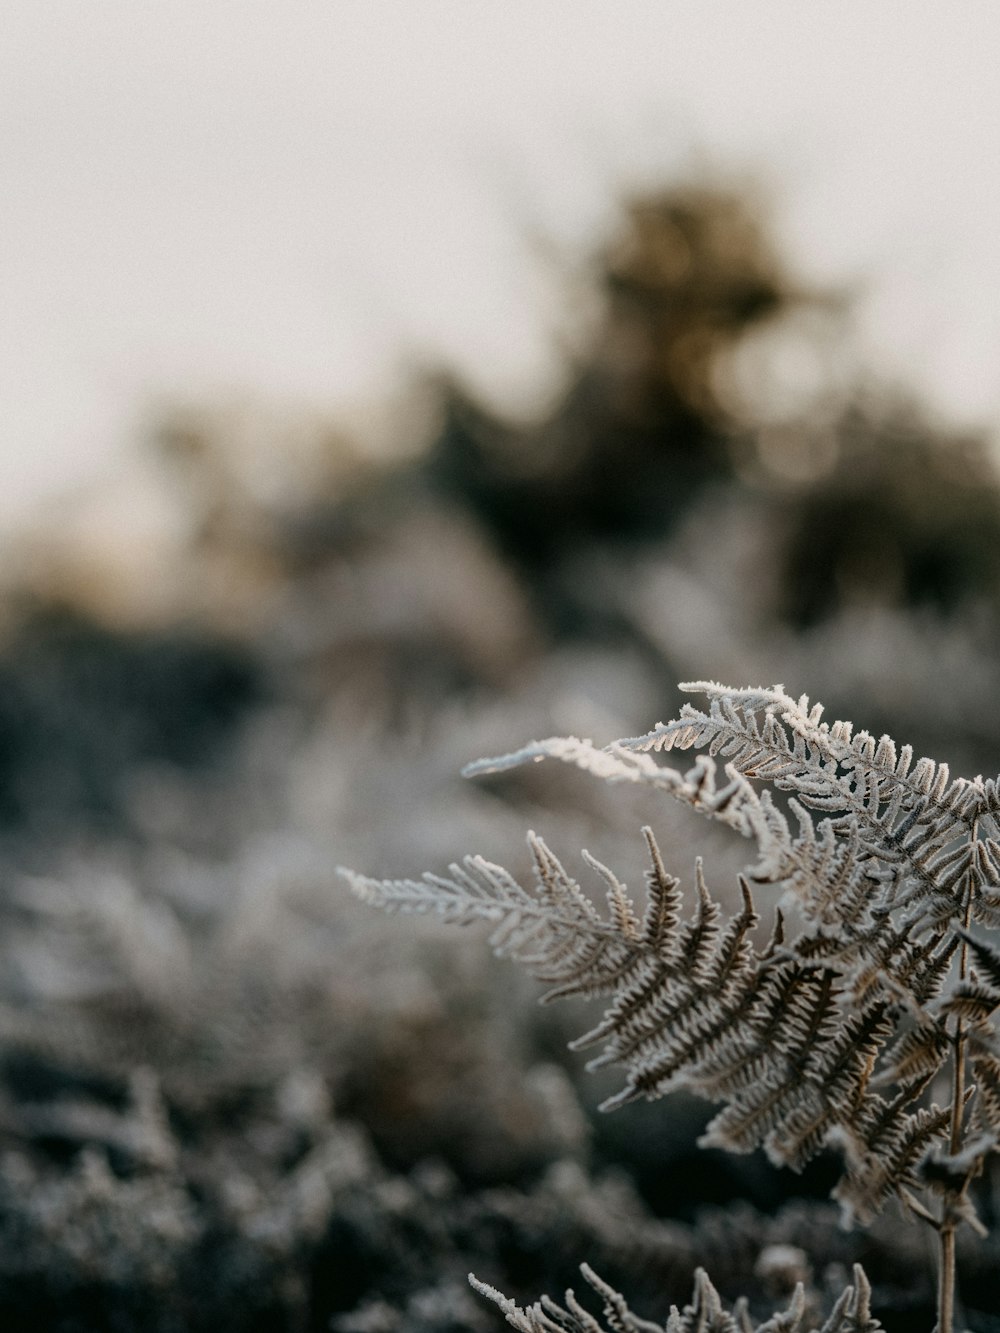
{"points": [[878, 987]]}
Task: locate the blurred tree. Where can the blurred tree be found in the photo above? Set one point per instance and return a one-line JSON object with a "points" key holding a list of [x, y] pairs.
{"points": [[869, 501], [909, 517], [866, 503], [642, 427]]}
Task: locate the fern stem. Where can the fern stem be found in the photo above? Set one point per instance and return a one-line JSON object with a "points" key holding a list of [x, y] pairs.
{"points": [[946, 1280], [947, 1227], [957, 1088], [946, 1233]]}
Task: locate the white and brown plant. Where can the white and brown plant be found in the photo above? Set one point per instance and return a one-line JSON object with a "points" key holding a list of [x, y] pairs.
{"points": [[864, 1022]]}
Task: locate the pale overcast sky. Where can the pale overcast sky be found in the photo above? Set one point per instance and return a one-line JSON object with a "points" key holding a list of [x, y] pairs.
{"points": [[205, 197]]}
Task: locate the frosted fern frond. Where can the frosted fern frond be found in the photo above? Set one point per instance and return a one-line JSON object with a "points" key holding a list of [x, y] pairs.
{"points": [[832, 1033], [705, 1314], [985, 1064], [554, 929], [736, 802], [803, 1074], [884, 1154], [912, 817], [767, 734], [556, 932]]}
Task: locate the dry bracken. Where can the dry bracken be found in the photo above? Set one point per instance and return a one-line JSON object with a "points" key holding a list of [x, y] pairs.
{"points": [[876, 990]]}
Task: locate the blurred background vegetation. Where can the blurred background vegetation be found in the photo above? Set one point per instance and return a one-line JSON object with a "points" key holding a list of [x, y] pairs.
{"points": [[229, 1098]]}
